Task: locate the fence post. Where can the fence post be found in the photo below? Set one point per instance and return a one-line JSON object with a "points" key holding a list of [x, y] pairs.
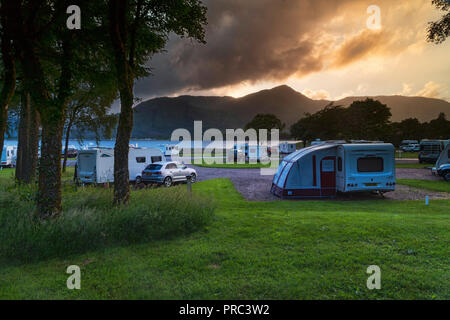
{"points": [[189, 184]]}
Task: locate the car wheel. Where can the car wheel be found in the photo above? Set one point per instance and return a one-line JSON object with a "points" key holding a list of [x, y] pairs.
{"points": [[193, 178], [168, 182], [447, 176], [138, 180]]}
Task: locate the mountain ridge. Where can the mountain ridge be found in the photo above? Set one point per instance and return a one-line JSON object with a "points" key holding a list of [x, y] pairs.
{"points": [[158, 117]]}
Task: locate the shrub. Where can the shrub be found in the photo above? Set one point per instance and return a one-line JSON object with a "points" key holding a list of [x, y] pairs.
{"points": [[89, 221]]}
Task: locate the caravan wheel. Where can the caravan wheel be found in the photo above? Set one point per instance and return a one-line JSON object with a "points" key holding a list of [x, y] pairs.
{"points": [[138, 180], [447, 176]]}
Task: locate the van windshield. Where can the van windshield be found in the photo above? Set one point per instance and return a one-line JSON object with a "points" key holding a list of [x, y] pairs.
{"points": [[370, 164], [153, 167]]}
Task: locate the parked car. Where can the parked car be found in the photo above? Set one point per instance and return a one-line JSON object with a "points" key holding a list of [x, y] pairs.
{"points": [[410, 145], [168, 173]]}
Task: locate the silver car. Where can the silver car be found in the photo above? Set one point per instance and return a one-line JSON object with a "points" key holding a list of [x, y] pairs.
{"points": [[168, 173]]}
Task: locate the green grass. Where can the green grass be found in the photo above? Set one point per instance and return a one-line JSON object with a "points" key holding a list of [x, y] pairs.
{"points": [[264, 250], [414, 165], [89, 221], [411, 155], [441, 186]]}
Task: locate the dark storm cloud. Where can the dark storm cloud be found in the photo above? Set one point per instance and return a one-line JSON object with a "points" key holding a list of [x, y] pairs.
{"points": [[247, 40]]}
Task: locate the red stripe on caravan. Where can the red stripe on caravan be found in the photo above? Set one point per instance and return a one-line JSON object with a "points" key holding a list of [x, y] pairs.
{"points": [[281, 173], [314, 171]]}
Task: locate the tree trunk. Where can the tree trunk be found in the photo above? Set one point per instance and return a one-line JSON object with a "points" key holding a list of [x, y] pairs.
{"points": [[24, 136], [28, 142], [118, 32], [49, 196], [66, 145], [121, 149], [51, 111], [9, 76]]}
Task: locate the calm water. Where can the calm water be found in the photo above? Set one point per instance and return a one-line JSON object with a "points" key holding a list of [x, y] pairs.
{"points": [[110, 143]]}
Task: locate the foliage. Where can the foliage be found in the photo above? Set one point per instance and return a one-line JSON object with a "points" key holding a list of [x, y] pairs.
{"points": [[90, 222], [265, 121], [366, 120], [438, 31]]}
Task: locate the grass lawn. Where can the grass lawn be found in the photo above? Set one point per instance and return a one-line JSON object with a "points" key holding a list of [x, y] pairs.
{"points": [[411, 155], [414, 165], [264, 250], [441, 186]]}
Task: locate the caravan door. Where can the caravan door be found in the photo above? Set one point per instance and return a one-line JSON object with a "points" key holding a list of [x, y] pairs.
{"points": [[328, 176]]}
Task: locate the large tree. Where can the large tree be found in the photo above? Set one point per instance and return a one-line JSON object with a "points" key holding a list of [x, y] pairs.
{"points": [[265, 121], [438, 31], [138, 29], [7, 20], [54, 58], [28, 140]]}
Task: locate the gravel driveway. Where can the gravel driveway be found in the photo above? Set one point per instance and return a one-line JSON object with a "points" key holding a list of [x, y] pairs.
{"points": [[255, 187]]}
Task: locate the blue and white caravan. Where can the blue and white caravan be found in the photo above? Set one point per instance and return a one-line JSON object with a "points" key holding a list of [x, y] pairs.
{"points": [[322, 170]]}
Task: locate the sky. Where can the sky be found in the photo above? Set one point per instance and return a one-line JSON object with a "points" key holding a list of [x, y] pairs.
{"points": [[325, 49]]}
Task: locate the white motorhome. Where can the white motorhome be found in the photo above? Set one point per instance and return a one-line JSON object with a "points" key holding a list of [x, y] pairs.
{"points": [[96, 165], [9, 156]]}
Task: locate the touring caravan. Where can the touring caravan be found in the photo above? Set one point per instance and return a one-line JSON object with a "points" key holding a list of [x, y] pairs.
{"points": [[442, 167], [322, 170], [430, 150], [9, 156], [287, 147], [96, 165]]}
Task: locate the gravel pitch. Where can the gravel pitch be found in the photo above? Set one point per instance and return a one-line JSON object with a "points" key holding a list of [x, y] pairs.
{"points": [[255, 187]]}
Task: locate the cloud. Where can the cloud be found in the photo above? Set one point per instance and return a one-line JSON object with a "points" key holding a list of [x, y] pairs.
{"points": [[407, 89], [316, 94], [359, 46], [433, 90], [271, 40]]}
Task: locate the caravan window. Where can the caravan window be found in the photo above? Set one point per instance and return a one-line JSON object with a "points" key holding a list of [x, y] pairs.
{"points": [[156, 159], [370, 164], [105, 155], [140, 159], [339, 164]]}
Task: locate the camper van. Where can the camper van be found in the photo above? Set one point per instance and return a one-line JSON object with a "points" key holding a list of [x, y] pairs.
{"points": [[430, 150], [96, 165], [322, 170], [9, 156], [287, 147], [442, 167]]}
